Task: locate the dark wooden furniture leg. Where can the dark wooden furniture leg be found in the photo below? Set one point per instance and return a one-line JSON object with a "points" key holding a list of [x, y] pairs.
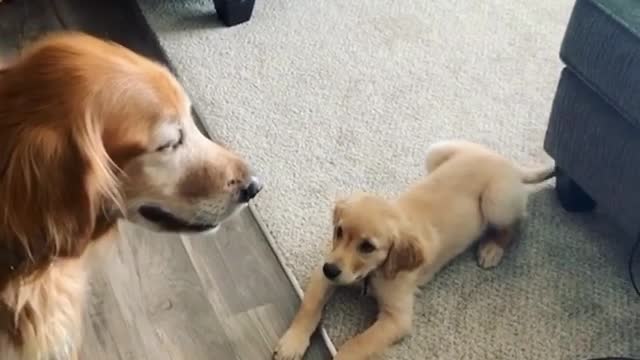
{"points": [[234, 12], [570, 194]]}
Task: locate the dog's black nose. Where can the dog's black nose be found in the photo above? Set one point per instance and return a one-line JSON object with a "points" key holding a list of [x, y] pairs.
{"points": [[251, 190], [331, 271]]}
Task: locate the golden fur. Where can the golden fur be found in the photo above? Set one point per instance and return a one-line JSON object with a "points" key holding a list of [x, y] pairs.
{"points": [[398, 245], [90, 133]]}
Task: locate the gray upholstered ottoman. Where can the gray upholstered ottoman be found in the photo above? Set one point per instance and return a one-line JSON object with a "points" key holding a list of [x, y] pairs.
{"points": [[594, 127]]}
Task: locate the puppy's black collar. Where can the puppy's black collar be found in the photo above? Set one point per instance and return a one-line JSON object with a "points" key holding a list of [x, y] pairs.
{"points": [[365, 285]]}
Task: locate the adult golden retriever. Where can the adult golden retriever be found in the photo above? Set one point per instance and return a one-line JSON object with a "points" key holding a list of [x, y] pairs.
{"points": [[397, 245], [91, 132]]}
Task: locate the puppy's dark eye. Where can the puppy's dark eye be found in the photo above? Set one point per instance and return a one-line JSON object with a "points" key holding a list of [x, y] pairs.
{"points": [[172, 145], [366, 247], [338, 231]]}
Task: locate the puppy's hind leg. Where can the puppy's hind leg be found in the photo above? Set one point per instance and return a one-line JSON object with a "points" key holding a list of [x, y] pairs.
{"points": [[438, 153], [503, 204]]}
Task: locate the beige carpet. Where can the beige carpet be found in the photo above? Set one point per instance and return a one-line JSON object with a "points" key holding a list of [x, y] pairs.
{"points": [[328, 97]]}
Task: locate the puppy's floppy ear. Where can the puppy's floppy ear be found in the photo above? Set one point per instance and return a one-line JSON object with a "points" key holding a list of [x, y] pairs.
{"points": [[338, 209], [405, 254]]}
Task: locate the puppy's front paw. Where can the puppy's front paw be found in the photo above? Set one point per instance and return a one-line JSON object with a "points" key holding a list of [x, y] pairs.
{"points": [[352, 355], [291, 346], [341, 355], [354, 350], [489, 254]]}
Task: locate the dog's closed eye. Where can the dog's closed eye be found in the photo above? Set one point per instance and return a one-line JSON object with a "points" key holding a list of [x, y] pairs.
{"points": [[173, 144], [366, 246]]}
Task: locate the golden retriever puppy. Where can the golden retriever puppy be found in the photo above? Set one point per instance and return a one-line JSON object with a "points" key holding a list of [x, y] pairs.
{"points": [[91, 133], [394, 246]]}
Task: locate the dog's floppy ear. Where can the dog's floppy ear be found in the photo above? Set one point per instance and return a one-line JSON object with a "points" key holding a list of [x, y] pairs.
{"points": [[55, 174], [53, 187], [405, 254]]}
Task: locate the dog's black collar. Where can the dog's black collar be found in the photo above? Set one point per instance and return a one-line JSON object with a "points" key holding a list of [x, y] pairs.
{"points": [[12, 262], [9, 261]]}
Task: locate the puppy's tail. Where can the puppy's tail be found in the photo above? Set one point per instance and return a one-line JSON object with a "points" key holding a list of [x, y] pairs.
{"points": [[538, 175]]}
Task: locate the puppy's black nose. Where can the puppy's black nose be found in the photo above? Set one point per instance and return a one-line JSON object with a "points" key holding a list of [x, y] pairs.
{"points": [[331, 271], [251, 190]]}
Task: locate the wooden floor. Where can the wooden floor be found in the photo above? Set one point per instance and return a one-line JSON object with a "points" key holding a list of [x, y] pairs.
{"points": [[163, 296]]}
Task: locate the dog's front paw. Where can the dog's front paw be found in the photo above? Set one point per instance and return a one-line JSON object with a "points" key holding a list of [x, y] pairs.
{"points": [[291, 346], [489, 254]]}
